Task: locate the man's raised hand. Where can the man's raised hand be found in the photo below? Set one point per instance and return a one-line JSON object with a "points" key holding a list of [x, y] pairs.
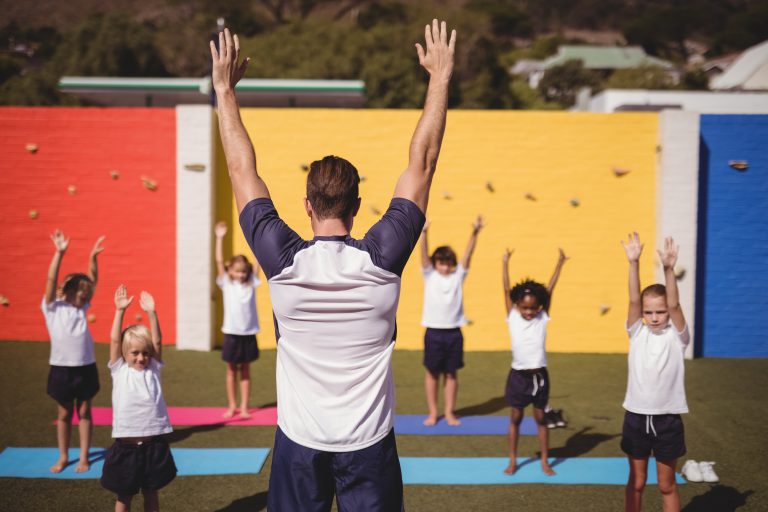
{"points": [[437, 59], [226, 69]]}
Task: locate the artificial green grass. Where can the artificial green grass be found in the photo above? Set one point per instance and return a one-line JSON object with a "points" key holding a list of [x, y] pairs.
{"points": [[726, 398]]}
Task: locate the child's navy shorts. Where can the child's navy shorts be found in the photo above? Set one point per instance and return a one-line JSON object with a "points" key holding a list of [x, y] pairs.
{"points": [[129, 467], [662, 434], [443, 350], [305, 479], [240, 349], [69, 383], [525, 387]]}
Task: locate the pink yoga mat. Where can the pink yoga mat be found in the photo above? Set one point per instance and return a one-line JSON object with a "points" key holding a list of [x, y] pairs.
{"points": [[198, 416]]}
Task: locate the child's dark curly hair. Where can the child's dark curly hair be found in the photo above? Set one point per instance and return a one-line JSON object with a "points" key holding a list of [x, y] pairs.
{"points": [[530, 287]]}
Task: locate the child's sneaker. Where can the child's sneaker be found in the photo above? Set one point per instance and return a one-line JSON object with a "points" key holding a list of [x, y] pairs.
{"points": [[707, 473], [691, 471], [559, 421], [550, 419]]}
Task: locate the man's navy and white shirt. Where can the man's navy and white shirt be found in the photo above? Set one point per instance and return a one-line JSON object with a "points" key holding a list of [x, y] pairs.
{"points": [[334, 300]]}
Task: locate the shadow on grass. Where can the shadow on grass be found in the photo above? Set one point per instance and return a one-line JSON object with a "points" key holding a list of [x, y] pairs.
{"points": [[720, 498], [248, 504], [581, 442], [488, 407], [180, 434]]}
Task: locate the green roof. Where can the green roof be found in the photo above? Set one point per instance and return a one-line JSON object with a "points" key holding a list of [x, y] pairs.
{"points": [[605, 57]]}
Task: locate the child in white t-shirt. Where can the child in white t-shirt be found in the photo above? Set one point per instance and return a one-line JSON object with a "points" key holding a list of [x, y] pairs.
{"points": [[655, 399], [238, 281], [73, 379], [140, 458], [443, 316], [527, 305]]}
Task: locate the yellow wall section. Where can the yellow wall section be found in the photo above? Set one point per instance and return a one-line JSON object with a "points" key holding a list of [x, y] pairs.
{"points": [[555, 156]]}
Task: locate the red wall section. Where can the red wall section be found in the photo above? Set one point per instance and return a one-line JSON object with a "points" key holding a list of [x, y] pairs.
{"points": [[80, 147]]}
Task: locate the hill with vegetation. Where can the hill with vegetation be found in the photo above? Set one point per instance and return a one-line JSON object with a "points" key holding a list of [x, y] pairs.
{"points": [[370, 40]]}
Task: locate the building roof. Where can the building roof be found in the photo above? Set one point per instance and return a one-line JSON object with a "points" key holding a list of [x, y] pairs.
{"points": [[605, 57], [753, 63], [166, 92]]}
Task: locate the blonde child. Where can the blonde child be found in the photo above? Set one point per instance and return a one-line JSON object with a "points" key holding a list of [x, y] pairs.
{"points": [[527, 305], [140, 458], [655, 397], [73, 379], [238, 280], [443, 316]]}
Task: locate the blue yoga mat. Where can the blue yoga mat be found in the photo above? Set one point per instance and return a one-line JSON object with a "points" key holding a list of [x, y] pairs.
{"points": [[490, 470], [35, 462], [412, 424]]}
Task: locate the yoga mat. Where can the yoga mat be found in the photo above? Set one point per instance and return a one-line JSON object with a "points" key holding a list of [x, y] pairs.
{"points": [[490, 470], [197, 416], [35, 462], [412, 424]]}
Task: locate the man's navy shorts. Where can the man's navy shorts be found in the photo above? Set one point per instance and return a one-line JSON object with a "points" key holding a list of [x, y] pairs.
{"points": [[307, 480], [662, 434], [238, 349], [69, 383], [129, 468], [525, 387], [443, 350]]}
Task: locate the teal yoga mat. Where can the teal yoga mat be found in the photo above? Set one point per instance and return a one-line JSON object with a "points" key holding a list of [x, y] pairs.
{"points": [[413, 425], [35, 462], [490, 471]]}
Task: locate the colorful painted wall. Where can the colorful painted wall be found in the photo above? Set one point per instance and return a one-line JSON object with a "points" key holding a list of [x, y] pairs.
{"points": [[733, 236], [490, 162], [67, 183]]}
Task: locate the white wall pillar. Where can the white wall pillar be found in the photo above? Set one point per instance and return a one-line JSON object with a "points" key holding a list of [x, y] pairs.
{"points": [[677, 196], [195, 210]]}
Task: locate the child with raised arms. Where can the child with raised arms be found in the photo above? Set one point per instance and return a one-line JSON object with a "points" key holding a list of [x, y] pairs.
{"points": [[655, 399], [238, 280], [527, 305], [73, 379], [443, 317], [140, 458]]}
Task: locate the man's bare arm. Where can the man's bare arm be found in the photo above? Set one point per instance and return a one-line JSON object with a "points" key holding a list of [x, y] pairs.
{"points": [[238, 150], [437, 60]]}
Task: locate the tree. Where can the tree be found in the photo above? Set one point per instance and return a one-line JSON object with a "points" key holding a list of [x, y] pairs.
{"points": [[643, 77], [561, 83]]}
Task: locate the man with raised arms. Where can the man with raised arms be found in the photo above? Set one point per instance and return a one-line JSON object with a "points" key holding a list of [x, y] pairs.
{"points": [[334, 300]]}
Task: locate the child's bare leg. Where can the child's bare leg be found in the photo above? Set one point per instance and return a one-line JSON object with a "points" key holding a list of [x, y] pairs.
{"points": [[63, 433], [515, 417], [231, 397], [670, 498], [245, 389], [430, 387], [451, 389], [543, 432], [123, 503], [633, 494], [85, 428], [151, 501]]}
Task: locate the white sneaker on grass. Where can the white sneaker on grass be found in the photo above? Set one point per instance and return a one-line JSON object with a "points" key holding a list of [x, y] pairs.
{"points": [[707, 473], [692, 472]]}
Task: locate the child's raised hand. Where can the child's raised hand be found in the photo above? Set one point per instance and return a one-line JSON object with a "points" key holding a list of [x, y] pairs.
{"points": [[122, 300], [633, 247], [220, 229], [562, 258], [668, 254], [97, 248], [478, 224], [506, 255], [60, 241], [147, 302]]}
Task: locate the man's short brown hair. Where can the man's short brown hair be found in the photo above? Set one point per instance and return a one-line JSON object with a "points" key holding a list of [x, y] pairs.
{"points": [[332, 187]]}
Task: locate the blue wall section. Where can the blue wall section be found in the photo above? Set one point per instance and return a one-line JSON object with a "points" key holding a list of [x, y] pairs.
{"points": [[732, 298]]}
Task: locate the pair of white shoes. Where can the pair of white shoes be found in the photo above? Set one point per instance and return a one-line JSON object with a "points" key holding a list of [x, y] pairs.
{"points": [[699, 471]]}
